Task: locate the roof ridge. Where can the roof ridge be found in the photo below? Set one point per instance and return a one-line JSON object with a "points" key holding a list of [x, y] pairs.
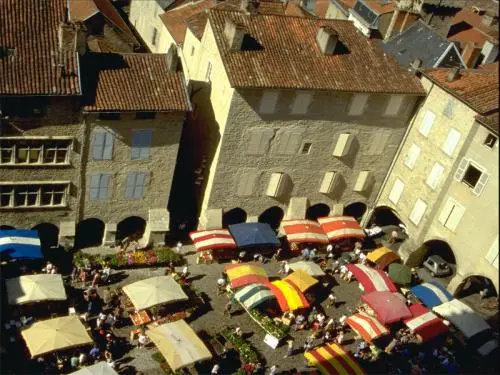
{"points": [[316, 19]]}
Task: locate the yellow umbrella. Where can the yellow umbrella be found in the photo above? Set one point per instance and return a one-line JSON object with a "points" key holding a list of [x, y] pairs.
{"points": [[382, 257], [55, 334], [301, 280]]}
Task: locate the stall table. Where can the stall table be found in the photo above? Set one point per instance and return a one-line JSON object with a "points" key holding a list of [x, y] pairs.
{"points": [[140, 318]]}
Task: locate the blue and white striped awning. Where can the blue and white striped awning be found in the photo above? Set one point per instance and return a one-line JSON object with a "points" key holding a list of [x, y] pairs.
{"points": [[431, 294], [20, 244], [253, 295]]}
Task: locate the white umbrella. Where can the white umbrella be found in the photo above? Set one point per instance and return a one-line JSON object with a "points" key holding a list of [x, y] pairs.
{"points": [[100, 368], [33, 288], [310, 268]]}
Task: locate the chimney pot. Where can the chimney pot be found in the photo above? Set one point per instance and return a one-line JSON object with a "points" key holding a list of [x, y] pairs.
{"points": [[453, 74], [172, 59], [416, 64], [234, 35], [488, 19], [327, 39]]}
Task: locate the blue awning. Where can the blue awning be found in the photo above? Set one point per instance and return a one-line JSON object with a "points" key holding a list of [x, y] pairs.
{"points": [[253, 234], [20, 244], [431, 294]]}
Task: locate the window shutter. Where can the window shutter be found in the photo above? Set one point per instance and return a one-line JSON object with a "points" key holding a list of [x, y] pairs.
{"points": [[140, 185], [378, 143], [451, 142], [394, 105], [435, 175], [358, 104], [418, 211], [136, 142], [481, 183], [301, 102], [455, 217], [461, 169], [446, 211], [254, 142], [427, 123], [343, 145], [94, 186], [396, 191], [268, 101], [492, 255], [293, 144], [104, 192], [242, 189], [412, 156], [98, 146], [328, 182], [108, 146], [130, 186], [146, 137]]}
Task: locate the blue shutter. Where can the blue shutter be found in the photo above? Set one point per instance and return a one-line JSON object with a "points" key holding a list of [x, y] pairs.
{"points": [[140, 184], [130, 187], [94, 186], [104, 186], [136, 144], [108, 146], [146, 137], [98, 145]]}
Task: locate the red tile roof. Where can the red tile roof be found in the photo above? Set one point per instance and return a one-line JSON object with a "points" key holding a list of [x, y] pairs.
{"points": [[35, 65], [490, 121], [81, 10], [477, 88], [476, 32], [379, 6], [290, 58], [132, 82]]}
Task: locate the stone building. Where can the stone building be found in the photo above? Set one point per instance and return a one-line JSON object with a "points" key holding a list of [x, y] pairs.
{"points": [[443, 184], [291, 118]]}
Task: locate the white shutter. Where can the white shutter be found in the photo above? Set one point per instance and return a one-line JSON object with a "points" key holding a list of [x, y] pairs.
{"points": [[435, 175], [343, 144], [301, 102], [481, 183], [268, 101], [418, 211], [378, 143], [363, 181], [455, 217], [492, 255], [394, 105], [413, 154], [427, 123], [446, 211], [288, 142], [358, 104], [246, 184], [451, 142], [258, 141], [329, 182], [277, 185], [459, 174], [396, 191]]}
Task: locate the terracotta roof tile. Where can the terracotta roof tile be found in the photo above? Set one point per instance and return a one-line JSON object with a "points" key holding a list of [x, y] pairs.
{"points": [[477, 88], [381, 7], [132, 82], [467, 27], [290, 58], [35, 66], [112, 14], [346, 4], [81, 10], [490, 121]]}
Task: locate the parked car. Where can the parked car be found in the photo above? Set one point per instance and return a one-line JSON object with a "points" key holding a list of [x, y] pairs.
{"points": [[437, 266]]}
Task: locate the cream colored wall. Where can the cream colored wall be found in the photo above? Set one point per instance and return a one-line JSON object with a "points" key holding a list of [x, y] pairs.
{"points": [[190, 62], [144, 15], [334, 13]]}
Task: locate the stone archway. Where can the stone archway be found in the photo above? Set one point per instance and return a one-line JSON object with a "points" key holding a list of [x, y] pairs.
{"points": [[317, 210], [272, 216], [89, 233], [49, 235], [356, 210], [234, 216], [6, 227], [473, 284], [384, 216], [441, 248], [132, 226]]}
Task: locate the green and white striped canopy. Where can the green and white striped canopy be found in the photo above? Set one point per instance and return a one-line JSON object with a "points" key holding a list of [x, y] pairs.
{"points": [[253, 295]]}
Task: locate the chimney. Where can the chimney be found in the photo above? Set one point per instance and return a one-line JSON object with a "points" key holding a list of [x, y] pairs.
{"points": [[453, 74], [249, 6], [172, 59], [234, 35], [327, 39], [488, 19], [416, 64], [72, 37]]}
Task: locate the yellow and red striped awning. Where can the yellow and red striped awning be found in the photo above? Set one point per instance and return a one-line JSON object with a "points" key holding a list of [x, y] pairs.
{"points": [[341, 227], [333, 359], [245, 274], [289, 298], [304, 231]]}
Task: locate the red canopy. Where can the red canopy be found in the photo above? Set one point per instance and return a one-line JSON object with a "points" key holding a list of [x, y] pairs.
{"points": [[371, 279], [389, 307], [341, 227], [366, 326], [212, 239], [425, 323], [303, 231]]}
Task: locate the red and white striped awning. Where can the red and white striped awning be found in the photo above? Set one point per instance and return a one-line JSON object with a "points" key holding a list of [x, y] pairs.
{"points": [[366, 326], [371, 279], [341, 227], [425, 323], [303, 231], [212, 239]]}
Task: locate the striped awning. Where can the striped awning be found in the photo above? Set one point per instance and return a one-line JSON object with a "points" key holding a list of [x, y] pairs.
{"points": [[253, 295], [301, 280], [289, 298], [431, 294], [333, 359], [341, 227], [382, 257], [244, 274], [388, 307], [425, 323], [304, 231], [212, 239], [310, 268], [371, 279], [366, 326]]}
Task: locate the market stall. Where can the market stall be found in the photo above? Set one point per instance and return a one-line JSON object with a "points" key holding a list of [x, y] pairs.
{"points": [[55, 334], [20, 244], [333, 359], [301, 280], [382, 257], [339, 228], [35, 288], [431, 294], [311, 268], [254, 295], [304, 231], [399, 274], [388, 307], [253, 235], [179, 344], [289, 298], [372, 280], [240, 275], [367, 326], [425, 324], [100, 368], [218, 243]]}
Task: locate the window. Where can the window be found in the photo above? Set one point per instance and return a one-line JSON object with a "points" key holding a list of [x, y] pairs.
{"points": [[396, 191], [154, 37], [451, 142], [329, 182], [145, 115], [394, 105], [192, 51], [378, 142], [451, 214], [449, 109], [268, 102], [418, 211], [471, 175], [288, 142], [136, 184], [102, 148], [301, 102], [490, 141], [364, 181], [109, 116], [141, 144], [99, 186], [277, 185], [21, 151], [492, 254], [358, 104], [427, 123], [33, 195], [413, 154], [343, 145], [434, 176], [246, 183], [208, 73], [258, 142], [306, 148]]}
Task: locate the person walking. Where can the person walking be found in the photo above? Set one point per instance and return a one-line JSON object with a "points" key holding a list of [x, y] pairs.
{"points": [[289, 349], [287, 268], [215, 369], [394, 237], [142, 340], [221, 286], [227, 309], [305, 254], [178, 247], [329, 251], [312, 254], [332, 300], [273, 369]]}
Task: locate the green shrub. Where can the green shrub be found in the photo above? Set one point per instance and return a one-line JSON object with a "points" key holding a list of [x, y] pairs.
{"points": [[158, 357], [247, 353]]}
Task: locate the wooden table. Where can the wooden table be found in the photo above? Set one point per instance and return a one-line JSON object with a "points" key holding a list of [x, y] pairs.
{"points": [[140, 318]]}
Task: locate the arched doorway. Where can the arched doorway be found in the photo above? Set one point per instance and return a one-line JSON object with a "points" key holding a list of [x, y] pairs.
{"points": [[272, 216], [317, 210], [442, 249], [6, 227], [473, 285], [133, 226], [234, 216], [356, 210], [89, 232], [384, 216], [48, 233]]}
